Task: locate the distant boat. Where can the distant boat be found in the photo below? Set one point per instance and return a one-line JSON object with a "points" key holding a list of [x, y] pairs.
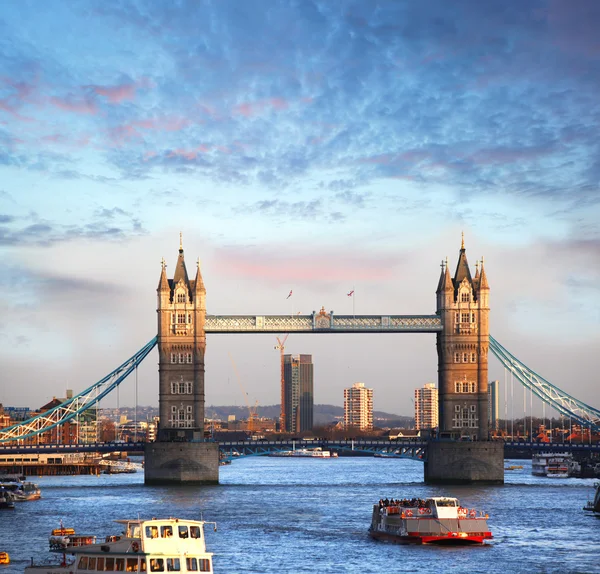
{"points": [[514, 467], [554, 465], [317, 452], [594, 506]]}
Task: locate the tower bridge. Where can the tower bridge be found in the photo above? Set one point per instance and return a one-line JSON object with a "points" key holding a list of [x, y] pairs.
{"points": [[461, 325]]}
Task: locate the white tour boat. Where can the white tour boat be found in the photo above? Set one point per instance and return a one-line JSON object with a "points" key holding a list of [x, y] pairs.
{"points": [[317, 452], [553, 465], [156, 545]]}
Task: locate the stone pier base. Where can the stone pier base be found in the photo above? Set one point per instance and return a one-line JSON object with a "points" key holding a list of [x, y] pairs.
{"points": [[450, 462], [181, 463]]}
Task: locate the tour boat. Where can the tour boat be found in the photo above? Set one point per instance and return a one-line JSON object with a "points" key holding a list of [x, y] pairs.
{"points": [[156, 545], [595, 505], [306, 452], [436, 520], [553, 465]]}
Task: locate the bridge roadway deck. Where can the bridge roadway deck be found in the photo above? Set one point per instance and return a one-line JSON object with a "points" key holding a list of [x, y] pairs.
{"points": [[265, 446], [323, 322]]}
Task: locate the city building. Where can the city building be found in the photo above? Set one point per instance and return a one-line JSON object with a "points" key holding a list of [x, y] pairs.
{"points": [[494, 404], [426, 407], [358, 407], [298, 392]]}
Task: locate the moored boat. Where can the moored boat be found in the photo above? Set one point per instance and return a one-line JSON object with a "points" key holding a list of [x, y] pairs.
{"points": [[436, 520], [156, 545], [21, 490], [7, 500]]}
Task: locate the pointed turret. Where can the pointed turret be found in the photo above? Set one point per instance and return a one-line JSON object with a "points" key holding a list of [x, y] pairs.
{"points": [[462, 269], [163, 283], [180, 269], [483, 282], [198, 282]]}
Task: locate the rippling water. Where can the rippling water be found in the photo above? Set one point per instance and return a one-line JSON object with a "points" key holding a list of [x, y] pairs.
{"points": [[279, 515]]}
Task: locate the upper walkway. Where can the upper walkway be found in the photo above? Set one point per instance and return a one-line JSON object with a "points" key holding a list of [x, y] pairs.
{"points": [[323, 322]]}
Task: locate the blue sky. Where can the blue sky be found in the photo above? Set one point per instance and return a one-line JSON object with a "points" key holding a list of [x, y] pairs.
{"points": [[305, 145]]}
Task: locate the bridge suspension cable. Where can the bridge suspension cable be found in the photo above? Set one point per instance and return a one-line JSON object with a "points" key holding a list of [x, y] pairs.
{"points": [[79, 403], [546, 391]]}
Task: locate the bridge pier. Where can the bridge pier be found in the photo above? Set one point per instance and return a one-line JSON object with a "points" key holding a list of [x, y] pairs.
{"points": [[452, 462], [181, 463]]}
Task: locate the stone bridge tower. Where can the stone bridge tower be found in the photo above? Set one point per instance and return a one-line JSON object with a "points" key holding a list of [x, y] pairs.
{"points": [[181, 346], [181, 454], [462, 346]]}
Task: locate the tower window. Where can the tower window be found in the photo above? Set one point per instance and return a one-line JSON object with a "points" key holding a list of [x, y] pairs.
{"points": [[464, 317], [456, 317], [472, 317], [180, 297], [188, 357], [473, 357], [465, 357], [181, 318], [457, 357], [465, 297]]}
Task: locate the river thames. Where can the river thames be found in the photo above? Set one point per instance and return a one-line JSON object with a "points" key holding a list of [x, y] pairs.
{"points": [[277, 515]]}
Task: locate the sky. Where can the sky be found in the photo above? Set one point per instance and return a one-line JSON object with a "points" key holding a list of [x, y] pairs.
{"points": [[313, 146]]}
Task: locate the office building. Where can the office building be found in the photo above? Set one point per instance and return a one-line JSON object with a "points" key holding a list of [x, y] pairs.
{"points": [[358, 407], [298, 393], [426, 407]]}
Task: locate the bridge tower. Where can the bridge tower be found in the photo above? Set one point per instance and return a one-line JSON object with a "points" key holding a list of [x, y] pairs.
{"points": [[463, 453], [462, 347], [181, 454]]}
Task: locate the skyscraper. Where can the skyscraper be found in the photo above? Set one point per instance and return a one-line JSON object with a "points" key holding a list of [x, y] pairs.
{"points": [[358, 407], [494, 403], [426, 407], [298, 392]]}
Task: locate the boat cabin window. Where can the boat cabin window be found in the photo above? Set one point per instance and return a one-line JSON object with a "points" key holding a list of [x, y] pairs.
{"points": [[120, 564], [166, 531], [195, 532], [83, 563], [183, 532], [198, 564], [132, 565], [442, 503], [157, 565], [91, 563], [151, 532], [173, 565], [133, 530], [100, 564]]}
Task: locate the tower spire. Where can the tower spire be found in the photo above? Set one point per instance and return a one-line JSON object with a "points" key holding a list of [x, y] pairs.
{"points": [[462, 241], [180, 242]]}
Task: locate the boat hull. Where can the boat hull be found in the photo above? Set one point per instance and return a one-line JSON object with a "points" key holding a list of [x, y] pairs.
{"points": [[447, 540]]}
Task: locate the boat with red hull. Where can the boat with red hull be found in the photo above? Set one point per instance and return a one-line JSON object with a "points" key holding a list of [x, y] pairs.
{"points": [[436, 520]]}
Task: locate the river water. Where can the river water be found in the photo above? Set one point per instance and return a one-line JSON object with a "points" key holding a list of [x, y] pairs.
{"points": [[281, 515]]}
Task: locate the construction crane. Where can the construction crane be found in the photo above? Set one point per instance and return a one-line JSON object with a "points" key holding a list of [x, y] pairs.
{"points": [[281, 348], [252, 412]]}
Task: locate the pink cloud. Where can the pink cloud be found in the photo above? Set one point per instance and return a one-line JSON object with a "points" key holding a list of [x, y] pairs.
{"points": [[249, 109], [75, 105], [304, 267], [116, 94]]}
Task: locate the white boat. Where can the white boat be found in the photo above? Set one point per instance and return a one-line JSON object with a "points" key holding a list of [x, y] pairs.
{"points": [[21, 490], [554, 465], [156, 545], [317, 452]]}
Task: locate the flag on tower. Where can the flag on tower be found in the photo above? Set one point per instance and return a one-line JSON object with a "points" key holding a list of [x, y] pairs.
{"points": [[351, 293], [289, 295]]}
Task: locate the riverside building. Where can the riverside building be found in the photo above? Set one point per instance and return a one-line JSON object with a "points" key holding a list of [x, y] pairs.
{"points": [[298, 392], [358, 407], [426, 407]]}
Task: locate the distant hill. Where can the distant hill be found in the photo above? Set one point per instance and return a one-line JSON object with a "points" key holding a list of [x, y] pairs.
{"points": [[323, 414]]}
